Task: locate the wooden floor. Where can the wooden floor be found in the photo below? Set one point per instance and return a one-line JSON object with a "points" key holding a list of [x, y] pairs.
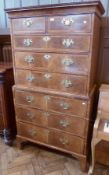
{"points": [[37, 161]]}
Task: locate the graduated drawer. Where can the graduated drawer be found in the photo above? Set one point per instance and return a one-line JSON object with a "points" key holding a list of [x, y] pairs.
{"points": [[76, 43], [28, 25], [63, 63], [61, 82], [75, 125], [69, 24], [51, 103], [51, 137]]}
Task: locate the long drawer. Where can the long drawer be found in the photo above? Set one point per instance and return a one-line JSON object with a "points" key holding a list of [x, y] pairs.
{"points": [[60, 82], [51, 103], [51, 137], [28, 25], [75, 125], [75, 43], [62, 63]]}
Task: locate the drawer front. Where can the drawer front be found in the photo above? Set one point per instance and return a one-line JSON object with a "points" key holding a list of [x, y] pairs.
{"points": [[51, 103], [67, 83], [67, 106], [74, 125], [29, 98], [71, 124], [32, 115], [62, 63], [53, 43], [32, 132], [66, 141], [28, 25], [70, 23]]}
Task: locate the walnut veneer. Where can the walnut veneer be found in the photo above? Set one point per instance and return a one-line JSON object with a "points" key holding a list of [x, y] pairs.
{"points": [[55, 51]]}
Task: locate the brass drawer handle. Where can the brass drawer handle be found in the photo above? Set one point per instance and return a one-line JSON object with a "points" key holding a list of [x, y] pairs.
{"points": [[47, 76], [67, 83], [47, 97], [29, 59], [64, 123], [27, 42], [64, 141], [47, 57], [46, 38], [67, 61], [30, 78], [46, 114], [67, 21], [64, 105], [29, 99], [27, 22], [32, 132], [67, 42], [30, 115]]}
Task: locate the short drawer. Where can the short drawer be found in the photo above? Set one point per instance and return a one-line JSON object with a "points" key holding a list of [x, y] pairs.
{"points": [[51, 103], [70, 23], [55, 81], [75, 125], [32, 132], [31, 99], [67, 106], [28, 25], [62, 63], [35, 116], [76, 43], [66, 141]]}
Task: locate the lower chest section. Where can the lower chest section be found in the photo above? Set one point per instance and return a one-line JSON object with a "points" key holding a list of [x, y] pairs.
{"points": [[58, 121]]}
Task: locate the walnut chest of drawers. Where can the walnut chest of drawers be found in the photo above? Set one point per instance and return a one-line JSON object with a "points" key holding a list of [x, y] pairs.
{"points": [[55, 50]]}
